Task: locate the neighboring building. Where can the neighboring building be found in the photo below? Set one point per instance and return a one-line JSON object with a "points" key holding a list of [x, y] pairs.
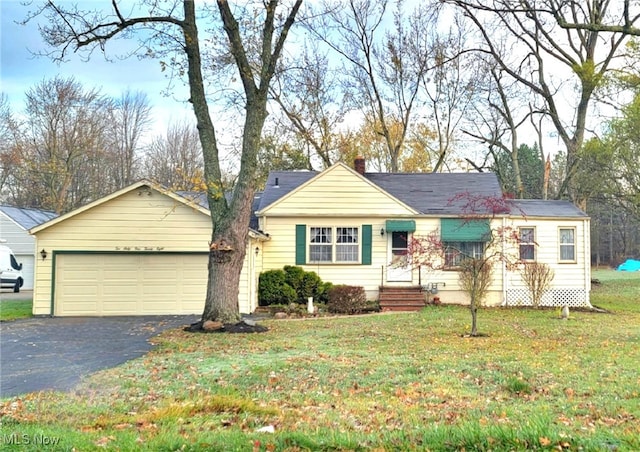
{"points": [[143, 250], [15, 223]]}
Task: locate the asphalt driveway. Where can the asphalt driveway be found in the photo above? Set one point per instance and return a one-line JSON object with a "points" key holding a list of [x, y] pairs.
{"points": [[55, 353]]}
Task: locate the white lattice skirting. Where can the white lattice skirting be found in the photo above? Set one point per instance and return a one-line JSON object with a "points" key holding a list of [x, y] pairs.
{"points": [[555, 297]]}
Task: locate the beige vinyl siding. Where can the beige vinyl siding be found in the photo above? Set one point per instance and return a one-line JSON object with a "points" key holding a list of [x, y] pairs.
{"points": [[338, 191], [567, 274], [248, 300], [131, 223], [280, 251], [249, 278], [449, 290]]}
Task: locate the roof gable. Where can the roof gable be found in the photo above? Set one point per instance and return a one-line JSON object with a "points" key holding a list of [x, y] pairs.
{"points": [[138, 185], [337, 191], [418, 193]]}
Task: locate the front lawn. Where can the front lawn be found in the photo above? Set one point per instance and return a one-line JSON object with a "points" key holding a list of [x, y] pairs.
{"points": [[385, 382], [15, 309]]}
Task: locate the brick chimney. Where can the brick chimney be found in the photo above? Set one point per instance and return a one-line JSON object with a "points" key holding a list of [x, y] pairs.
{"points": [[359, 164]]}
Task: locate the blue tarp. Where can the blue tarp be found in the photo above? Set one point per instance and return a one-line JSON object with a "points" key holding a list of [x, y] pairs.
{"points": [[630, 266]]}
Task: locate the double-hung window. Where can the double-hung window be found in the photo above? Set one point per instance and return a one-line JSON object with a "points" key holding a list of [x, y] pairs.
{"points": [[334, 244], [457, 252], [321, 244], [567, 239], [527, 244], [347, 244]]}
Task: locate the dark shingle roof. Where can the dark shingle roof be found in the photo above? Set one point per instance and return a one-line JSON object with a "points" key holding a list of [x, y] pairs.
{"points": [[428, 193], [546, 208], [438, 193], [287, 182], [27, 218]]}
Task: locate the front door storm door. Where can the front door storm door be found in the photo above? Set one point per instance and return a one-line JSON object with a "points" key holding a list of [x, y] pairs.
{"points": [[398, 268]]}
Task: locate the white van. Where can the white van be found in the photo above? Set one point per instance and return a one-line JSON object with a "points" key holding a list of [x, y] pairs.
{"points": [[10, 270]]}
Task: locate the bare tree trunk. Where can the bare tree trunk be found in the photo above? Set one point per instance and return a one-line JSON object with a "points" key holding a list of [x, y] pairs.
{"points": [[474, 318], [230, 219]]}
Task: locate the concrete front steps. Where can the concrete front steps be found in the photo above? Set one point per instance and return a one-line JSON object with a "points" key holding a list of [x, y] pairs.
{"points": [[408, 298]]}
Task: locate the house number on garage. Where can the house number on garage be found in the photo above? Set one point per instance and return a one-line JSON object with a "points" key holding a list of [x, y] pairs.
{"points": [[139, 248]]}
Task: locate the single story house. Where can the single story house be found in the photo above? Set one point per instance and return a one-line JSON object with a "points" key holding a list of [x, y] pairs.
{"points": [[355, 227], [15, 223], [143, 249]]}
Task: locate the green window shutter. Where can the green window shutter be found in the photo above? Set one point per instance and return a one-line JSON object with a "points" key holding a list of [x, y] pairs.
{"points": [[366, 244], [301, 244], [400, 226], [465, 230]]}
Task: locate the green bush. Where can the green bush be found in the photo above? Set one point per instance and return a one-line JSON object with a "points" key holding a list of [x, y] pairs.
{"points": [[273, 289], [291, 285], [344, 299], [323, 292], [306, 284]]}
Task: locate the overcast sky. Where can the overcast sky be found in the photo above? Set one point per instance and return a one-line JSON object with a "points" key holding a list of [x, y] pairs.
{"points": [[21, 70]]}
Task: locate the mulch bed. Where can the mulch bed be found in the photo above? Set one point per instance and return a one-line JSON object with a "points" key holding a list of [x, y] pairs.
{"points": [[240, 327]]}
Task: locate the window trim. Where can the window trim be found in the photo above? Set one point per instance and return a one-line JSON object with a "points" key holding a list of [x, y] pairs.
{"points": [[574, 244], [334, 245], [533, 244]]}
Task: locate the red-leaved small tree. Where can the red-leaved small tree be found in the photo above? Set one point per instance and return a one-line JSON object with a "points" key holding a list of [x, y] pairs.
{"points": [[475, 270]]}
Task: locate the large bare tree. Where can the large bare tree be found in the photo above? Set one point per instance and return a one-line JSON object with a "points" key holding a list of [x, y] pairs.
{"points": [[130, 118], [175, 158], [500, 111], [174, 25], [384, 65], [312, 104], [545, 51], [450, 86], [9, 138], [70, 146], [62, 151]]}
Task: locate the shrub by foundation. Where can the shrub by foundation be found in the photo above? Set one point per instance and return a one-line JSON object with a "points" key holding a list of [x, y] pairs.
{"points": [[344, 299], [291, 285]]}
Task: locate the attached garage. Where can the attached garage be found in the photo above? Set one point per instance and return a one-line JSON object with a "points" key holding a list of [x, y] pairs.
{"points": [[140, 251], [129, 284]]}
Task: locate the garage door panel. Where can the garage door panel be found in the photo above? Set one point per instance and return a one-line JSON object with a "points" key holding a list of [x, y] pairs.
{"points": [[120, 275], [128, 289], [160, 291], [110, 309], [79, 292], [159, 276], [78, 275], [130, 284]]}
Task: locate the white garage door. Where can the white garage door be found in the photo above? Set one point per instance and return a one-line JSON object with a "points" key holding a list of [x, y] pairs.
{"points": [[27, 270], [130, 284]]}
